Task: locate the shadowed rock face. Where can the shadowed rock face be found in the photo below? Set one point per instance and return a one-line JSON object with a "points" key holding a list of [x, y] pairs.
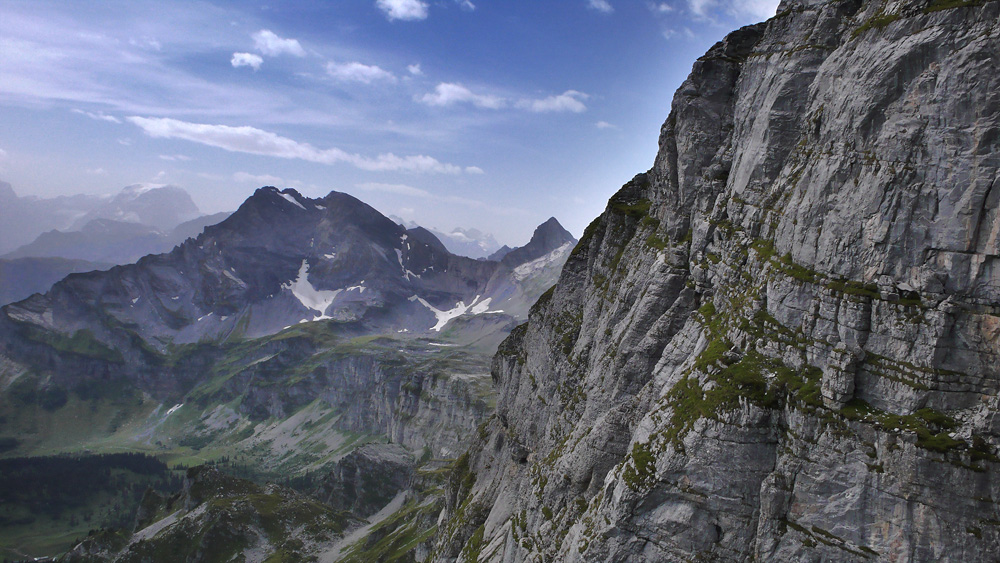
{"points": [[780, 342], [365, 480]]}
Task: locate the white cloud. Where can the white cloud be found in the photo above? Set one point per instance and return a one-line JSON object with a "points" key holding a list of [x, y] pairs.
{"points": [[145, 43], [660, 8], [398, 189], [125, 142], [100, 116], [601, 6], [3, 153], [174, 157], [260, 180], [606, 125], [268, 43], [741, 9], [759, 9], [251, 140], [474, 170], [358, 72], [446, 94], [403, 9], [97, 171], [466, 5], [246, 59], [570, 100], [414, 69]]}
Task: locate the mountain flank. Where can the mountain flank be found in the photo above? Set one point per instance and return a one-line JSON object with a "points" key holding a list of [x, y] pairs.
{"points": [[776, 344]]}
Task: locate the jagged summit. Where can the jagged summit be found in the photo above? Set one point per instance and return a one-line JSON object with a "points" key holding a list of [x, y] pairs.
{"points": [[547, 237]]}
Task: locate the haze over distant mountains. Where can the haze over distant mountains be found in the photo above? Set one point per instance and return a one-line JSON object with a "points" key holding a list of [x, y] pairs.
{"points": [[44, 239], [463, 241]]}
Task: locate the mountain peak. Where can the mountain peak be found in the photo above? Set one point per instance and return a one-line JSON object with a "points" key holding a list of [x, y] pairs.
{"points": [[7, 192], [547, 237]]}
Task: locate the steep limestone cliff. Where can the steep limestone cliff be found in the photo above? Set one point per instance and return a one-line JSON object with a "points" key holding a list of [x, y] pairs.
{"points": [[780, 343]]}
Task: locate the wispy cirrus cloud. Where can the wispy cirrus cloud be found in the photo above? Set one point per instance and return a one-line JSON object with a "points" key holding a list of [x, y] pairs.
{"points": [[250, 140], [100, 116], [246, 59], [359, 72], [260, 179], [175, 157], [403, 9], [269, 43], [410, 191], [397, 189]]}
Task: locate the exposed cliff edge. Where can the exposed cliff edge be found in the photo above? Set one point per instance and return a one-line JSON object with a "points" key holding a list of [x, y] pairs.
{"points": [[780, 343]]}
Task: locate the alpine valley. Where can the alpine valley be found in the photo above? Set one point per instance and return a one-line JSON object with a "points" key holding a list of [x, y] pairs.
{"points": [[780, 343], [275, 343]]}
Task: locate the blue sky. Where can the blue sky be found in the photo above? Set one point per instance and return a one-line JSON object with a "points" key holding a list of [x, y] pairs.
{"points": [[475, 113]]}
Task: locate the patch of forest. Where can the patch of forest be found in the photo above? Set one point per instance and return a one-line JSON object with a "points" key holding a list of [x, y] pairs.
{"points": [[75, 493]]}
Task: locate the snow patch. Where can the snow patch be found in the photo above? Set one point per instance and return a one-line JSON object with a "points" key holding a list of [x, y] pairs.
{"points": [[320, 207], [318, 300], [407, 274], [536, 266], [173, 409], [135, 300], [292, 200], [238, 281], [330, 256], [443, 317], [482, 307]]}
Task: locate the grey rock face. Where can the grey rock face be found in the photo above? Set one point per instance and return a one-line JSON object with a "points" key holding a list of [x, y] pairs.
{"points": [[780, 343], [366, 479], [19, 278]]}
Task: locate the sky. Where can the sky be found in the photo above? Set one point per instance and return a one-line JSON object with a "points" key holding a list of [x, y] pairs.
{"points": [[450, 113]]}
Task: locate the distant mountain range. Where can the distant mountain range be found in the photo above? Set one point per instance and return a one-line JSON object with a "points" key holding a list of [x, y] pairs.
{"points": [[113, 242], [84, 233], [469, 242], [280, 260], [23, 219]]}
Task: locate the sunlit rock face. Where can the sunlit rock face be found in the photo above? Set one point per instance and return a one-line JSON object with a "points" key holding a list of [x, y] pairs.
{"points": [[780, 343]]}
